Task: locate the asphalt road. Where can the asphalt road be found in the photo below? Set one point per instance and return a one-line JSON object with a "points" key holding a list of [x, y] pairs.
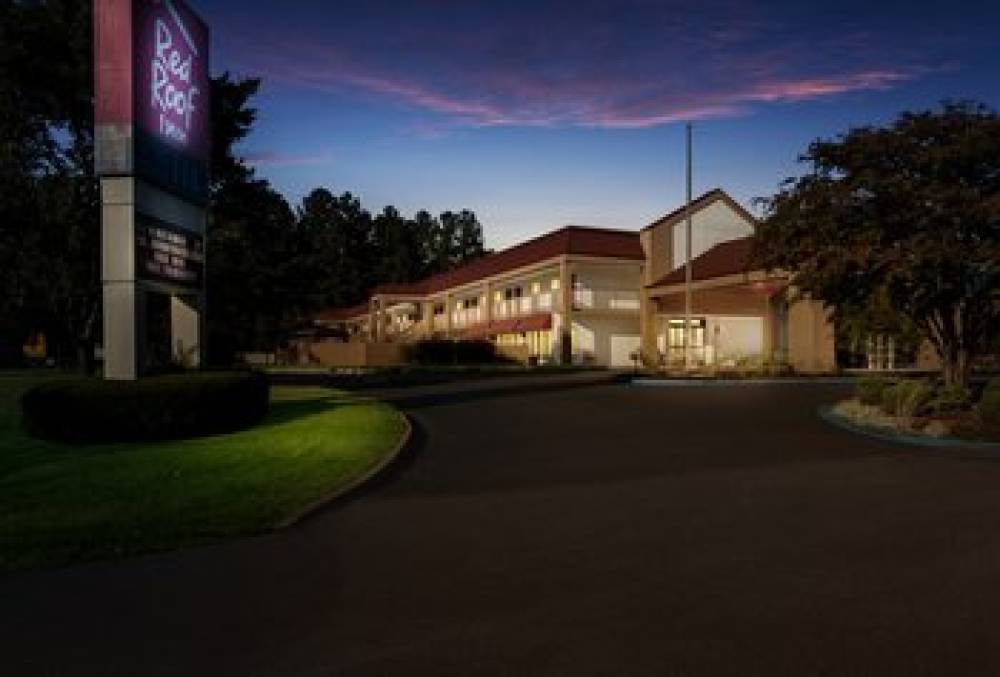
{"points": [[604, 530]]}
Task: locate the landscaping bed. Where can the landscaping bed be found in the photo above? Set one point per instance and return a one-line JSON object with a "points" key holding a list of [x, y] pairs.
{"points": [[924, 408], [61, 504]]}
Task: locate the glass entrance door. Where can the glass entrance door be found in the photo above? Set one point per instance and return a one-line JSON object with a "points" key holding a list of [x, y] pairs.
{"points": [[675, 340]]}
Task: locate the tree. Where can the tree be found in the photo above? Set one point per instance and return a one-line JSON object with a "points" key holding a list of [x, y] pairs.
{"points": [[251, 241], [50, 234], [457, 239], [911, 211]]}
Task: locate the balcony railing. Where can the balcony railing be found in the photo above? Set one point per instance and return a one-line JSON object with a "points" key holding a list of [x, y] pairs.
{"points": [[596, 299]]}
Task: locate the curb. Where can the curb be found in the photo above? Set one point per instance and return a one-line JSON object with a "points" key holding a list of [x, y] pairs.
{"points": [[649, 382], [827, 413], [354, 484]]}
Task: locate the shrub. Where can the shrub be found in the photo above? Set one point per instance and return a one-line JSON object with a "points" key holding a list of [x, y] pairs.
{"points": [[907, 398], [989, 403], [85, 411], [869, 389], [440, 352], [950, 400]]}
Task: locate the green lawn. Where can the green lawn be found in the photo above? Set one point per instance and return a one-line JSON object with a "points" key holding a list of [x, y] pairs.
{"points": [[62, 504]]}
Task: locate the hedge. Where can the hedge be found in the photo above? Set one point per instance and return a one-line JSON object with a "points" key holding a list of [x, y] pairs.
{"points": [[869, 389], [989, 403], [440, 352], [83, 411]]}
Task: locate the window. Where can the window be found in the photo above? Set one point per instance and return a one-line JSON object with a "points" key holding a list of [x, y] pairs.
{"points": [[439, 309], [555, 284], [536, 288]]}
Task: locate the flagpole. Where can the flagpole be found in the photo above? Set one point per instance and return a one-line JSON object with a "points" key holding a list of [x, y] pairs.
{"points": [[687, 258]]}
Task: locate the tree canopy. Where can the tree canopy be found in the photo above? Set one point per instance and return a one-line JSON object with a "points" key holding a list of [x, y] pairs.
{"points": [[908, 213]]}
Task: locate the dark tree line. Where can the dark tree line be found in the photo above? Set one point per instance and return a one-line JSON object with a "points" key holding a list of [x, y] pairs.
{"points": [[269, 265]]}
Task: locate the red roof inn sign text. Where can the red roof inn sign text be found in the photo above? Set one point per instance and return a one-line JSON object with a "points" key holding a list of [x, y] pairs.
{"points": [[152, 107], [152, 152], [173, 108]]}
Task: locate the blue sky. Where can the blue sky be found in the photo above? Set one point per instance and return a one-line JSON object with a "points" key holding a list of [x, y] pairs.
{"points": [[538, 114]]}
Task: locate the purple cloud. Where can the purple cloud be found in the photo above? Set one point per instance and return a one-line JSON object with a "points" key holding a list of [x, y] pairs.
{"points": [[630, 64]]}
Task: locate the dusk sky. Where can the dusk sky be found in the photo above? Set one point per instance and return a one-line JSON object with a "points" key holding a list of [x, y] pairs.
{"points": [[540, 114]]}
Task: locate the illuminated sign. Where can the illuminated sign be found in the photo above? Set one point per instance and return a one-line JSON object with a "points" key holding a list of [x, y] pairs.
{"points": [[151, 113], [168, 254], [172, 68]]}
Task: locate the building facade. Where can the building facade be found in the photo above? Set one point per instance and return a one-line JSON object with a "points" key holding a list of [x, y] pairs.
{"points": [[602, 297]]}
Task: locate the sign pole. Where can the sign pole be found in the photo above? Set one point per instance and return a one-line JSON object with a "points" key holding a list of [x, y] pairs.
{"points": [[687, 259]]}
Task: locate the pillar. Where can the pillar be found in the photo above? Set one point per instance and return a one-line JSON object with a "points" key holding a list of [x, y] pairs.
{"points": [[488, 311], [566, 328], [122, 297], [769, 330], [447, 315], [185, 331], [427, 316]]}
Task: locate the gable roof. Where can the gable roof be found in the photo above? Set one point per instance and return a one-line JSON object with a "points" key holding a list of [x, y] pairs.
{"points": [[726, 258], [699, 203]]}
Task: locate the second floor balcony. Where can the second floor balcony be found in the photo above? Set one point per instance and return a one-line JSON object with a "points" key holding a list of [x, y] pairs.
{"points": [[612, 300]]}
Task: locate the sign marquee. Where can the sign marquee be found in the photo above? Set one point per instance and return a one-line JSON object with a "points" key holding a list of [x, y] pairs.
{"points": [[152, 150], [152, 83], [172, 65], [168, 254]]}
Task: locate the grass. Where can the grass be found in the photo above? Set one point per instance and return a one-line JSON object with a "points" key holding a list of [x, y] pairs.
{"points": [[61, 504]]}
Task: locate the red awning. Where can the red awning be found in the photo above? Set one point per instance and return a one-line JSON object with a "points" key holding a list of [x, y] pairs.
{"points": [[512, 325]]}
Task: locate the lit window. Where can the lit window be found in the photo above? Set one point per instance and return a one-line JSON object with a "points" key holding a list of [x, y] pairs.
{"points": [[555, 284], [536, 288]]}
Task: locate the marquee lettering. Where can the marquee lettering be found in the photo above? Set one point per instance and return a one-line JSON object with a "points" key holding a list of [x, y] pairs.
{"points": [[174, 96]]}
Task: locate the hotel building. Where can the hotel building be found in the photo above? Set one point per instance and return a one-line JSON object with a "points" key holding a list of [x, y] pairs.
{"points": [[603, 297]]}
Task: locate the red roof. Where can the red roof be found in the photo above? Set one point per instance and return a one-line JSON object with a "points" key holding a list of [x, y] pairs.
{"points": [[579, 240], [726, 258]]}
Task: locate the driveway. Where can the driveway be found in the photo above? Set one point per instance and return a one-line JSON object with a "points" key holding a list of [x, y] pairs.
{"points": [[597, 530]]}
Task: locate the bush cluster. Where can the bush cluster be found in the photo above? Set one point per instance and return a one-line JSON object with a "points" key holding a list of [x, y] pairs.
{"points": [[84, 411], [440, 352], [869, 390], [950, 400], [989, 403], [907, 398]]}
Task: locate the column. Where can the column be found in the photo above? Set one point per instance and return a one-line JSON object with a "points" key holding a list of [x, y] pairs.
{"points": [[373, 318], [647, 325], [768, 334], [427, 317], [566, 329], [488, 311], [447, 315], [185, 331], [122, 298]]}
